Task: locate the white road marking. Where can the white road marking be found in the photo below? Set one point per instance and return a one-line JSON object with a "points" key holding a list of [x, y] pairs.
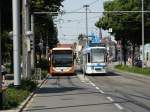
{"points": [[90, 81], [101, 91], [110, 99], [118, 106], [97, 88], [93, 84]]}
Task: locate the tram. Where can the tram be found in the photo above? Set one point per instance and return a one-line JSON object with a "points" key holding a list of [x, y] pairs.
{"points": [[94, 57]]}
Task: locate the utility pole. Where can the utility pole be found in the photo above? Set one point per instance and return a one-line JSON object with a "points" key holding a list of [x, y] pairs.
{"points": [[143, 52], [86, 8], [16, 46], [25, 29]]}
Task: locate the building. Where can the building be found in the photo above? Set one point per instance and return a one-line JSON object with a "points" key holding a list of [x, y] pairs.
{"points": [[146, 53]]}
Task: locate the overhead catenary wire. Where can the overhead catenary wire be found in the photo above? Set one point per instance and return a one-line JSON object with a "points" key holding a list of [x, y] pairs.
{"points": [[148, 11], [92, 3], [83, 7], [79, 20]]}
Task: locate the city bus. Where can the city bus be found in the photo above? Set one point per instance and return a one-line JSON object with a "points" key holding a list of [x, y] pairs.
{"points": [[94, 60], [62, 60]]}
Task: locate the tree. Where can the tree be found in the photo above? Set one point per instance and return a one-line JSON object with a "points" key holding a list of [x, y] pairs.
{"points": [[6, 26], [126, 26], [45, 29]]}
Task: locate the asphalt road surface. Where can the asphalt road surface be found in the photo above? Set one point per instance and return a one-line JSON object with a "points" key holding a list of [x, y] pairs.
{"points": [[130, 92], [104, 93]]}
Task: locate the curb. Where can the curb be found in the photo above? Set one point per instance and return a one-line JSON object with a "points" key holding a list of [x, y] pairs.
{"points": [[24, 104]]}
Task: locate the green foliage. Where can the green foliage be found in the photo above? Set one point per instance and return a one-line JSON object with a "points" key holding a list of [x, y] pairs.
{"points": [[144, 71], [15, 96], [44, 74], [45, 5], [7, 46], [125, 25], [27, 84], [43, 64], [6, 14], [44, 26]]}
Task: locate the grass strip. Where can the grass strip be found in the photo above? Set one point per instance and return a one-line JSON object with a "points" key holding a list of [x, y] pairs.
{"points": [[143, 71]]}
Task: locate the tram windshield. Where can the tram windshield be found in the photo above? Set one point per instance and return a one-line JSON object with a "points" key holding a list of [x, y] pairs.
{"points": [[98, 55]]}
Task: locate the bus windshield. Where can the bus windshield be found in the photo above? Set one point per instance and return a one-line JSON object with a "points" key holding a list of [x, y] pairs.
{"points": [[62, 59], [98, 55]]}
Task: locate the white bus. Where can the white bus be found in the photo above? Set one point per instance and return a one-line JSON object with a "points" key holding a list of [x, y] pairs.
{"points": [[94, 60]]}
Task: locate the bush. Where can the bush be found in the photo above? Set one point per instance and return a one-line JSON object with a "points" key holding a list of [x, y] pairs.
{"points": [[43, 64], [14, 96], [144, 71], [44, 73], [27, 84]]}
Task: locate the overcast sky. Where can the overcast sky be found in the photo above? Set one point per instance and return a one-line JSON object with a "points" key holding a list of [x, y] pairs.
{"points": [[70, 25]]}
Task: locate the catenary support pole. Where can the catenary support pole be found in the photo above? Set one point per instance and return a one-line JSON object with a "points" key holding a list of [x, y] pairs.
{"points": [[16, 41], [25, 28], [86, 15]]}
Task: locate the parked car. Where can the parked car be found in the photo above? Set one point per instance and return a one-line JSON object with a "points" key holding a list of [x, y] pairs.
{"points": [[138, 63]]}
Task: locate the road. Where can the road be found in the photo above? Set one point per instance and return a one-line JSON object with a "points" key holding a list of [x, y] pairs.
{"points": [[129, 92], [105, 93]]}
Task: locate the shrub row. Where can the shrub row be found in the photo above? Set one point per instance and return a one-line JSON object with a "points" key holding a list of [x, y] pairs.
{"points": [[14, 96]]}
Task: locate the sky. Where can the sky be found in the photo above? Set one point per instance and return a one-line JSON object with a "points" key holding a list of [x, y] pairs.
{"points": [[70, 25]]}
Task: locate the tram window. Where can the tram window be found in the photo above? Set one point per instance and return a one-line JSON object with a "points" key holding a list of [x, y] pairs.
{"points": [[88, 56]]}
